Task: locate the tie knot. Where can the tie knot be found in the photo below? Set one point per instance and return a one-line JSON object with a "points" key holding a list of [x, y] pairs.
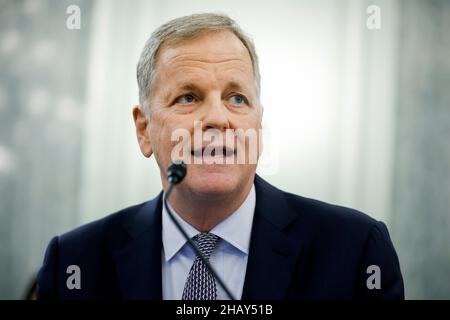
{"points": [[206, 242]]}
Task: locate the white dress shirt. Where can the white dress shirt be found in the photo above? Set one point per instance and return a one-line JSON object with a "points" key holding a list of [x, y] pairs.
{"points": [[229, 258]]}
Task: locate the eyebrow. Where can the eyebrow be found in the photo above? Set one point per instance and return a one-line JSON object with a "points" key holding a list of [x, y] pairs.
{"points": [[186, 86], [234, 85], [191, 86]]}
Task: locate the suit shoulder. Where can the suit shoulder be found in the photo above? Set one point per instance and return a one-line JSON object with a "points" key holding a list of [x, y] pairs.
{"points": [[329, 216], [94, 232]]}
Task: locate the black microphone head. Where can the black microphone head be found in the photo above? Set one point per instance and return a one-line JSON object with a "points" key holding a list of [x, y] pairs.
{"points": [[176, 172]]}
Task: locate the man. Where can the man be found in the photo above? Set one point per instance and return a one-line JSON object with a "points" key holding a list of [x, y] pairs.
{"points": [[200, 74]]}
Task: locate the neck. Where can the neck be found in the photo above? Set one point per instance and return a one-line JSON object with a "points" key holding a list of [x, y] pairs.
{"points": [[204, 212]]}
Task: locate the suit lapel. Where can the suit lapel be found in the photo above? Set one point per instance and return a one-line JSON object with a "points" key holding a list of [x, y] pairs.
{"points": [[273, 255], [138, 260]]}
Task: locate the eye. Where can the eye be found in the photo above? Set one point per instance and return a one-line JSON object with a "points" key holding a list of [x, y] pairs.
{"points": [[185, 99], [238, 99]]}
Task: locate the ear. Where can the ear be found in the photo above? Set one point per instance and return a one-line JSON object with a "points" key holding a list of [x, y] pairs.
{"points": [[142, 133]]}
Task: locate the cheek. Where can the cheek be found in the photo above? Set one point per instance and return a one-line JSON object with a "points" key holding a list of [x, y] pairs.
{"points": [[249, 120], [249, 138], [162, 136], [248, 123]]}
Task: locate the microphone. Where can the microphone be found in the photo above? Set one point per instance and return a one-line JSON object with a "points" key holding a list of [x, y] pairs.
{"points": [[175, 174]]}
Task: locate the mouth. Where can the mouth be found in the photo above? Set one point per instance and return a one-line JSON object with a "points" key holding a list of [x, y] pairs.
{"points": [[211, 151]]}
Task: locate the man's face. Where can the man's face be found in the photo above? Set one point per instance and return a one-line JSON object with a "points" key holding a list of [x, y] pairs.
{"points": [[208, 79]]}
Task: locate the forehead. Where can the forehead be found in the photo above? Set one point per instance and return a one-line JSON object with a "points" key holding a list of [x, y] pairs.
{"points": [[217, 52]]}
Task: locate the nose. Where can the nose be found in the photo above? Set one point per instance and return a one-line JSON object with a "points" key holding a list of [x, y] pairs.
{"points": [[215, 116]]}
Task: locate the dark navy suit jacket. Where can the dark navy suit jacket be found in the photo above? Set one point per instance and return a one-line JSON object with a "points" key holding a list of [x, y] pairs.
{"points": [[299, 249]]}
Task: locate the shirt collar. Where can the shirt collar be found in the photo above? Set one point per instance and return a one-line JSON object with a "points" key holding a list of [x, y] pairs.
{"points": [[235, 229]]}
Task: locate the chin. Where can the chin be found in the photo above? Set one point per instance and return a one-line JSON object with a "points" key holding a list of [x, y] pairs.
{"points": [[213, 179]]}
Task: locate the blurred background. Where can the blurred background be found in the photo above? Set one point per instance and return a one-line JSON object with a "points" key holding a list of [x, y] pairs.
{"points": [[357, 112]]}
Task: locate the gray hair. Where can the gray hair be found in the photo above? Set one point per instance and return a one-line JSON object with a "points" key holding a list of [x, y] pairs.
{"points": [[181, 29]]}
